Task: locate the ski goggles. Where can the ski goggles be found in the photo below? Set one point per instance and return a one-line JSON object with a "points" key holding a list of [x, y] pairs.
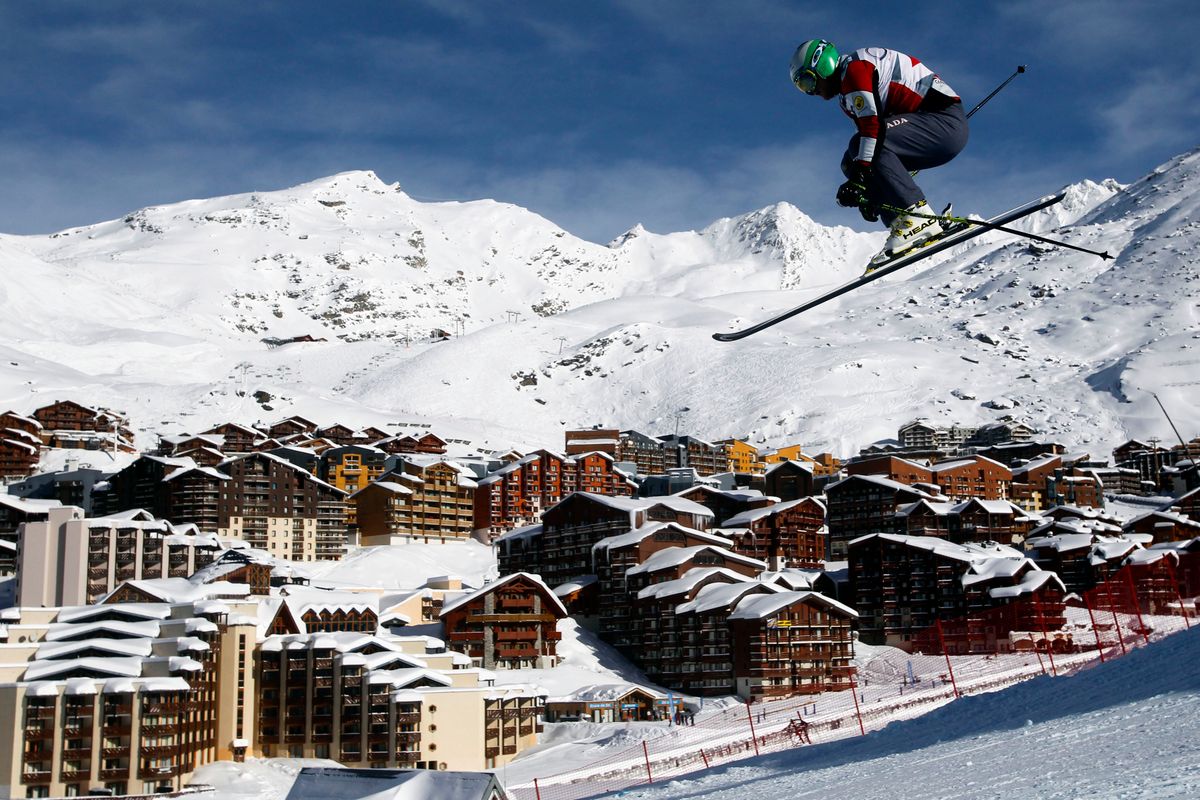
{"points": [[806, 81]]}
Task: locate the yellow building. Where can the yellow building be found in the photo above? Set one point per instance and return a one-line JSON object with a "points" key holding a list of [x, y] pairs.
{"points": [[823, 465], [351, 468], [743, 457]]}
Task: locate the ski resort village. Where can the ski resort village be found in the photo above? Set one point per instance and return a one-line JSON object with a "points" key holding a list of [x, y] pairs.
{"points": [[308, 592], [450, 400]]}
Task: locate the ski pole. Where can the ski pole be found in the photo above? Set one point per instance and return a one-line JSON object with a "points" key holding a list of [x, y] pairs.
{"points": [[991, 226], [983, 102], [996, 91]]}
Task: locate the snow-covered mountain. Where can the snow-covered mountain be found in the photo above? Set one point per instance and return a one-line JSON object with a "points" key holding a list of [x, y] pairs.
{"points": [[164, 314]]}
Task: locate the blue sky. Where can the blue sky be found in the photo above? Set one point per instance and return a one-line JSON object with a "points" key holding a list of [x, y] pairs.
{"points": [[597, 115]]}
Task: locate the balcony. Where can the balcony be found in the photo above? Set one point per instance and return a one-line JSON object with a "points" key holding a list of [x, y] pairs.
{"points": [[114, 774], [36, 776]]}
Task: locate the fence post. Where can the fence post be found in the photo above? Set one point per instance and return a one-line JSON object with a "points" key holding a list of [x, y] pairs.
{"points": [[753, 735], [1113, 608], [1037, 602], [1137, 607], [1095, 630], [704, 757], [857, 710], [1178, 591], [949, 667], [536, 791], [646, 753]]}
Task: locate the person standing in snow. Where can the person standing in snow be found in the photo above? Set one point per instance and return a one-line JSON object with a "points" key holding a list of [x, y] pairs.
{"points": [[907, 118]]}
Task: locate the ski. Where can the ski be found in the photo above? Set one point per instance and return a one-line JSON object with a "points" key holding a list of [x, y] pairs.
{"points": [[900, 262]]}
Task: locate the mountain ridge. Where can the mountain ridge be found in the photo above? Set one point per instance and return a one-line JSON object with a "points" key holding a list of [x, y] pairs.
{"points": [[163, 313]]}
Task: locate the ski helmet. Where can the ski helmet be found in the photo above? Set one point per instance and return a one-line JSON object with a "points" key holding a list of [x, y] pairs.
{"points": [[816, 58]]}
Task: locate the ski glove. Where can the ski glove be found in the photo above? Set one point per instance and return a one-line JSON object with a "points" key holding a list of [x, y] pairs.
{"points": [[853, 193]]}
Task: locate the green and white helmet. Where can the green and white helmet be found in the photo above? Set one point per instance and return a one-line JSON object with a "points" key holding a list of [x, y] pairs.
{"points": [[816, 58]]}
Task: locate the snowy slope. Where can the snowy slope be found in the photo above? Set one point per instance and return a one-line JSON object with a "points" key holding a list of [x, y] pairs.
{"points": [[163, 314], [1120, 730]]}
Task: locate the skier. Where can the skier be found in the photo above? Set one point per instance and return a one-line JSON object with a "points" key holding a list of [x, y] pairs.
{"points": [[907, 118]]}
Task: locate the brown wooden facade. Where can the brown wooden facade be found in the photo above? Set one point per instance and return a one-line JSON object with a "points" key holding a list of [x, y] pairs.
{"points": [[509, 624], [791, 643]]}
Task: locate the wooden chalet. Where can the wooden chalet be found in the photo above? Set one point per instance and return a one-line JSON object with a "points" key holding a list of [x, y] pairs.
{"points": [[791, 643], [18, 422], [685, 632], [726, 503], [975, 520], [238, 439], [906, 586], [429, 502], [901, 470], [976, 476], [865, 504], [597, 473], [204, 456], [563, 548], [291, 426], [509, 624], [783, 535], [428, 443], [789, 480], [610, 702], [1164, 526], [691, 648], [67, 415], [612, 559], [19, 453]]}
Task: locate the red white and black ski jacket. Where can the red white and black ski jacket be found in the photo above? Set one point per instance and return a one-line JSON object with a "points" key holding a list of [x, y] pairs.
{"points": [[877, 83]]}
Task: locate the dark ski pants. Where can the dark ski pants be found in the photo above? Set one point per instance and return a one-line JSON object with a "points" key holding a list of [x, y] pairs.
{"points": [[913, 141]]}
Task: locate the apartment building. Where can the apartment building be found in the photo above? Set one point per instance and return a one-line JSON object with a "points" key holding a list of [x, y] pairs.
{"points": [[72, 560], [381, 701], [425, 501], [906, 586], [125, 699], [273, 505], [865, 504], [787, 643], [561, 547], [509, 624], [784, 535], [614, 556], [973, 521]]}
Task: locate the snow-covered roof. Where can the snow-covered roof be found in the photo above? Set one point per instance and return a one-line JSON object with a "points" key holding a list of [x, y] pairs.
{"points": [[746, 518], [639, 534], [686, 582], [28, 505], [527, 532], [760, 606], [575, 585], [535, 579], [715, 596], [674, 556]]}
